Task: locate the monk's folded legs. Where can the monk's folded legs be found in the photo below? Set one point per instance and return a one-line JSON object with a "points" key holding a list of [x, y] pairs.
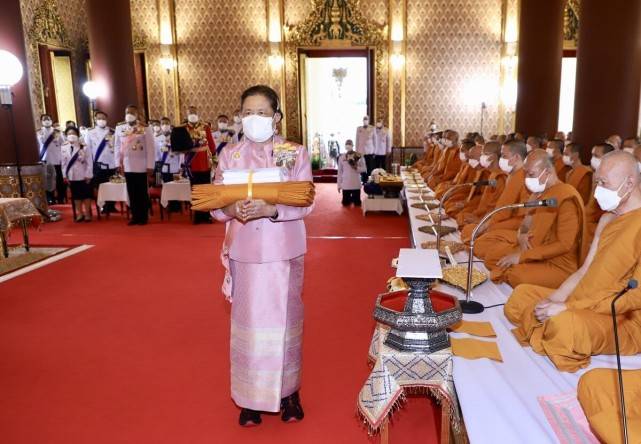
{"points": [[539, 273], [519, 310]]}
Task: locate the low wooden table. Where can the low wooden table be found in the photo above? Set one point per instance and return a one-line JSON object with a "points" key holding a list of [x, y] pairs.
{"points": [[16, 211]]}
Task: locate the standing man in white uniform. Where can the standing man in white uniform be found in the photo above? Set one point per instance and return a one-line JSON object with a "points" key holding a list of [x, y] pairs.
{"points": [[383, 146], [366, 144], [50, 141], [135, 156], [100, 141]]}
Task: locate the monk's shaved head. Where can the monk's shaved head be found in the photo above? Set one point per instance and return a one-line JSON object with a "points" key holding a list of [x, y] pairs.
{"points": [[615, 167], [492, 148], [539, 158], [614, 140], [466, 145], [517, 147], [574, 148], [475, 152], [602, 149], [557, 145]]}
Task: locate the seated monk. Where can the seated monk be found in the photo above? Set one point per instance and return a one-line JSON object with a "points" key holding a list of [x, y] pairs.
{"points": [[534, 143], [547, 246], [451, 163], [555, 153], [457, 200], [439, 149], [598, 394], [630, 144], [430, 147], [615, 140], [465, 173], [475, 209], [593, 212], [573, 323], [579, 176], [512, 157]]}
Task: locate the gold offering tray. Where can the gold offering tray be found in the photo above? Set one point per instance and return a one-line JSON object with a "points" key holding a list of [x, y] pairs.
{"points": [[431, 216], [442, 230], [457, 276], [455, 247], [425, 206]]}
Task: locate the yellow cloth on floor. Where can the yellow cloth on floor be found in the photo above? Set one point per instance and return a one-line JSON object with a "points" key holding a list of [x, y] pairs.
{"points": [[483, 329], [475, 349], [598, 393]]}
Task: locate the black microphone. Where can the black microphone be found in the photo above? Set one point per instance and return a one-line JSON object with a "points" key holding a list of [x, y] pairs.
{"points": [[632, 284], [541, 203], [483, 183]]}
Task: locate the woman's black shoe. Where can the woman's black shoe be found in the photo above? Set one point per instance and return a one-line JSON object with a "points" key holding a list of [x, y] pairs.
{"points": [[249, 418], [291, 409]]}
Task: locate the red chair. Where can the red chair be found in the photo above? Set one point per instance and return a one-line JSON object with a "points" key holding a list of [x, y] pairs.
{"points": [[154, 196]]}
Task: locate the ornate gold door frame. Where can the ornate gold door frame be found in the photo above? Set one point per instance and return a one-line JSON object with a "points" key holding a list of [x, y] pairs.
{"points": [[332, 25]]}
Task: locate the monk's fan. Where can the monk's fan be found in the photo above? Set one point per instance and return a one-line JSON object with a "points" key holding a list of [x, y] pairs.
{"points": [[212, 197]]}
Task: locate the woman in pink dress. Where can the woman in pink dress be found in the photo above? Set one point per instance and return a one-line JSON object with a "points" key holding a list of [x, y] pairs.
{"points": [[264, 252]]}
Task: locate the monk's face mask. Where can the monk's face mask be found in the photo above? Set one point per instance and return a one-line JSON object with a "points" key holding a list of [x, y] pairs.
{"points": [[534, 183], [609, 200]]}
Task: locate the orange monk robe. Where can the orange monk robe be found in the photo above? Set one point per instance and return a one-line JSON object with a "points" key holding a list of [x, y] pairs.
{"points": [[581, 179], [513, 192], [593, 213], [428, 155], [487, 201], [466, 175], [434, 154], [598, 394], [447, 158], [469, 196], [561, 168], [556, 238], [585, 327]]}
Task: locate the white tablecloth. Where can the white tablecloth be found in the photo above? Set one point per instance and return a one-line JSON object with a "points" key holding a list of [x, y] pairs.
{"points": [[499, 400], [175, 191], [382, 204], [112, 192]]}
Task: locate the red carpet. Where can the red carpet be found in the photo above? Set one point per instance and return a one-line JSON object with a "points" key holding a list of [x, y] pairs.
{"points": [[128, 341]]}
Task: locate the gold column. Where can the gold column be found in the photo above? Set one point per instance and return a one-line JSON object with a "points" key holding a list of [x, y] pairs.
{"points": [[169, 58], [397, 48], [508, 69], [275, 12]]}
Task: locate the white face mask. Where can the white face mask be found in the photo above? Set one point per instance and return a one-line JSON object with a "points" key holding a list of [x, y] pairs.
{"points": [[72, 138], [165, 128], [101, 123], [349, 147], [529, 147], [505, 166], [485, 161], [47, 123], [192, 118], [595, 162], [629, 150], [130, 118], [258, 128], [237, 119], [462, 156], [379, 125], [156, 129], [608, 200], [533, 184], [222, 125], [365, 122], [473, 163], [567, 160], [550, 152]]}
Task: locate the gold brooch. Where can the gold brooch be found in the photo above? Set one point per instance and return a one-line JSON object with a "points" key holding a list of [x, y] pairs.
{"points": [[236, 155]]}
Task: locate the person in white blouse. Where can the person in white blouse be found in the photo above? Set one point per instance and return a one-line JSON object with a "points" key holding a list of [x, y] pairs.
{"points": [[382, 145], [100, 140], [77, 169], [366, 144], [350, 167], [50, 141]]}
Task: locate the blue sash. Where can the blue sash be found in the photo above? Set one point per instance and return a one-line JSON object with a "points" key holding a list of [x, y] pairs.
{"points": [[101, 148], [45, 146], [71, 162], [164, 157], [220, 147]]}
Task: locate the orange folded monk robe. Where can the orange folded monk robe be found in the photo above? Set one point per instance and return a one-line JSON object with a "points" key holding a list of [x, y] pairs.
{"points": [[598, 393], [448, 163], [472, 213], [555, 153], [512, 157], [437, 148], [460, 197], [573, 323], [548, 245], [579, 176], [462, 173]]}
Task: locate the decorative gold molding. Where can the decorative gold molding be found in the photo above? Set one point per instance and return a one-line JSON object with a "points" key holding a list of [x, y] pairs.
{"points": [[331, 24], [47, 26], [139, 40]]}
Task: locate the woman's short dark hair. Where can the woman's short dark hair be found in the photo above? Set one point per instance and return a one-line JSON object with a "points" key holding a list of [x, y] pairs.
{"points": [[265, 91]]}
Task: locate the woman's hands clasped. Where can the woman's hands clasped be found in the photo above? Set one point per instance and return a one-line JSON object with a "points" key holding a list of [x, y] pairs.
{"points": [[246, 210]]}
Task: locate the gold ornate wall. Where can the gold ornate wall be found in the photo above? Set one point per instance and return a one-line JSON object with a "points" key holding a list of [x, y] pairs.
{"points": [[69, 32], [453, 54]]}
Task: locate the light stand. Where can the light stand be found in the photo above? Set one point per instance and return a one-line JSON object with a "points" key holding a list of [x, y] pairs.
{"points": [[6, 100], [483, 108]]}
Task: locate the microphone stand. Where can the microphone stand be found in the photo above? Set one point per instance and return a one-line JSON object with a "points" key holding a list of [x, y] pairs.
{"points": [[473, 307], [624, 421], [445, 196]]}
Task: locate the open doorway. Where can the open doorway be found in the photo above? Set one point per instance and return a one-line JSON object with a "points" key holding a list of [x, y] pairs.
{"points": [[335, 95], [58, 83]]}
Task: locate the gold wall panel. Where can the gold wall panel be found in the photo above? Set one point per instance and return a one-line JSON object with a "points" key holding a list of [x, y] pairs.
{"points": [[449, 45]]}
